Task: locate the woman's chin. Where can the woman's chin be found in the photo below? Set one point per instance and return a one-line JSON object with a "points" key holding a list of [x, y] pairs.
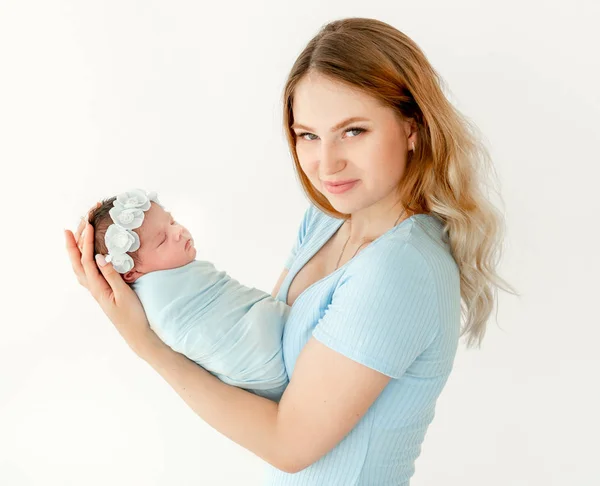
{"points": [[344, 207]]}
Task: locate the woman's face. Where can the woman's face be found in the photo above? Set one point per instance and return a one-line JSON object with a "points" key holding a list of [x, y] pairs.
{"points": [[346, 135]]}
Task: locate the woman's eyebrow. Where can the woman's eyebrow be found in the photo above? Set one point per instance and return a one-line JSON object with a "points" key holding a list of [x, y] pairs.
{"points": [[342, 124]]}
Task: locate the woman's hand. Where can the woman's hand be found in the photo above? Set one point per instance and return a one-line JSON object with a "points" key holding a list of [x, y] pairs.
{"points": [[118, 301]]}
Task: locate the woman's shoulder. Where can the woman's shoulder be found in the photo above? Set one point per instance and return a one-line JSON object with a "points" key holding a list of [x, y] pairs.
{"points": [[426, 235], [412, 273], [418, 244]]}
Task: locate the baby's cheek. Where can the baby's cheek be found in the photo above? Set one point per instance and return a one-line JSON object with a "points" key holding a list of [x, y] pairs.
{"points": [[153, 261], [176, 259]]}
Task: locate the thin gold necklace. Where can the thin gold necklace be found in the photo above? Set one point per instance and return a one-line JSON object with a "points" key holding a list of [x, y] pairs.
{"points": [[344, 247]]}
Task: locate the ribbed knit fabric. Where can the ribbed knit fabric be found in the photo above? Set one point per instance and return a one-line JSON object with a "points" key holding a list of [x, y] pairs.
{"points": [[395, 307]]}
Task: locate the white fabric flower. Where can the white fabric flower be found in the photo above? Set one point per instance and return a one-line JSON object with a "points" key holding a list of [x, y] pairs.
{"points": [[127, 214], [129, 218], [122, 263], [136, 198], [154, 198], [120, 240]]}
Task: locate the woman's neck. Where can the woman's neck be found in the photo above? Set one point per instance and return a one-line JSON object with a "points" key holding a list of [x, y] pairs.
{"points": [[370, 223]]}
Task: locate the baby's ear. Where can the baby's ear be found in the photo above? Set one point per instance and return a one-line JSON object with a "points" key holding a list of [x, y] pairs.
{"points": [[131, 276]]}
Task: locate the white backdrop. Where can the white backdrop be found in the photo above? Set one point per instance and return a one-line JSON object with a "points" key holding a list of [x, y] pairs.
{"points": [[183, 97]]}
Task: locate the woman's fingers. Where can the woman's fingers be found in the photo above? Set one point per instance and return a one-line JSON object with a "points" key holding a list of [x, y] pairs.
{"points": [[81, 227], [82, 256], [95, 281], [75, 257], [78, 233]]}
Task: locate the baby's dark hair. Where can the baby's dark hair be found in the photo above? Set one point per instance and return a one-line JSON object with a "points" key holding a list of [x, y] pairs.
{"points": [[100, 220]]}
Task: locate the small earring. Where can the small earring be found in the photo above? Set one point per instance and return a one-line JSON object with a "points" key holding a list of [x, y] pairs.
{"points": [[413, 146]]}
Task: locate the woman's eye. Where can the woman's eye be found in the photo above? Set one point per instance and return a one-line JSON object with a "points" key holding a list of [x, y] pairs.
{"points": [[307, 136], [355, 131]]}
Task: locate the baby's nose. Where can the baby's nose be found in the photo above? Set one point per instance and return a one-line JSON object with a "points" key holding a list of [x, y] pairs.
{"points": [[180, 231]]}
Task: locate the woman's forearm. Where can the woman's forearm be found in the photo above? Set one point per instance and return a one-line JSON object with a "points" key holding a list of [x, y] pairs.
{"points": [[245, 418]]}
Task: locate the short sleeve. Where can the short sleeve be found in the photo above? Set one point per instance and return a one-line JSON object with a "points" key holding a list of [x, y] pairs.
{"points": [[384, 312], [302, 230]]}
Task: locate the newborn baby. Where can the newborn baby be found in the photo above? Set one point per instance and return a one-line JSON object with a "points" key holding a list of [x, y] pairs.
{"points": [[231, 330]]}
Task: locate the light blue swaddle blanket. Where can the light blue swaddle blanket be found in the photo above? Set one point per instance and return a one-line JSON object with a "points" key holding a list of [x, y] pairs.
{"points": [[232, 331]]}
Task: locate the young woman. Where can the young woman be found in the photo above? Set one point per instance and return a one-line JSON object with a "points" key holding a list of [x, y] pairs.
{"points": [[398, 245]]}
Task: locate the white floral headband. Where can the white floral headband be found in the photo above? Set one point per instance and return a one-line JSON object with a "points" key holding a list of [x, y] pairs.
{"points": [[127, 214]]}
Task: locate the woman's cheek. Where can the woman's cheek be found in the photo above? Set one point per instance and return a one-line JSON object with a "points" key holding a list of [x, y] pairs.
{"points": [[308, 159]]}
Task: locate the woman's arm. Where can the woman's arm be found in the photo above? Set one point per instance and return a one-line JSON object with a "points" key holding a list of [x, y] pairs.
{"points": [[327, 395]]}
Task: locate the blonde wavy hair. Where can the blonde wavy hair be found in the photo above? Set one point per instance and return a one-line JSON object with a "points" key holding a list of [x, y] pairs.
{"points": [[447, 173]]}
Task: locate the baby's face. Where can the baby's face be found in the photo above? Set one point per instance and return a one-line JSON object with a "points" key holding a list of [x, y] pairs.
{"points": [[164, 244]]}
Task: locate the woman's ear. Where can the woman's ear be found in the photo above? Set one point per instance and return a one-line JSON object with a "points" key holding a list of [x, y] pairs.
{"points": [[410, 128]]}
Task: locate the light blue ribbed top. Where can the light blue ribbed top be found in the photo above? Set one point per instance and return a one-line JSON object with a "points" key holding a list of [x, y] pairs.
{"points": [[394, 307]]}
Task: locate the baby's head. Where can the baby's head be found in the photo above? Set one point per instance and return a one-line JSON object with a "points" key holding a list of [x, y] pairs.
{"points": [[163, 242]]}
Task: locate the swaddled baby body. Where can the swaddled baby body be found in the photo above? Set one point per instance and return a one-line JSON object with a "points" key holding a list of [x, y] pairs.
{"points": [[231, 330]]}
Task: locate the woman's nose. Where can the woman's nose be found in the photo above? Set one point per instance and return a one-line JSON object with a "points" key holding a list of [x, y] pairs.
{"points": [[330, 159]]}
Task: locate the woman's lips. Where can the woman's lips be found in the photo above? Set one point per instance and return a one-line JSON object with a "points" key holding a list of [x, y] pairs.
{"points": [[340, 187]]}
